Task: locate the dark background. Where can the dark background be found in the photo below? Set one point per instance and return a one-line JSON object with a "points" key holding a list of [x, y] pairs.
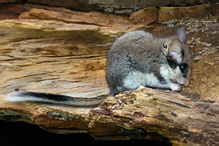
{"points": [[20, 133]]}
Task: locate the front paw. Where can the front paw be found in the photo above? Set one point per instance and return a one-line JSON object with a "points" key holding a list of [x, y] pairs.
{"points": [[141, 87], [175, 87]]}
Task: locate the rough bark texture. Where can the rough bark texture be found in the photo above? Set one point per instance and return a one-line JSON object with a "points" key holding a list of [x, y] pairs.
{"points": [[110, 6], [145, 16], [170, 114], [72, 55], [56, 50], [114, 6], [168, 13], [129, 115]]}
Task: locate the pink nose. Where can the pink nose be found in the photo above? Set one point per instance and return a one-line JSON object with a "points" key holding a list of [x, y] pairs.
{"points": [[183, 81]]}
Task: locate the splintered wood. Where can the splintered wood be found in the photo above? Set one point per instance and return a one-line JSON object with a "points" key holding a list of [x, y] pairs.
{"points": [[60, 51]]}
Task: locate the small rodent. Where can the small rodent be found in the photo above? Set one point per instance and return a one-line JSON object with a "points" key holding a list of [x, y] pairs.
{"points": [[136, 60], [139, 59]]}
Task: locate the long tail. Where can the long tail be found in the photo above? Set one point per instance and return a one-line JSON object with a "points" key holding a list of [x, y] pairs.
{"points": [[53, 98]]}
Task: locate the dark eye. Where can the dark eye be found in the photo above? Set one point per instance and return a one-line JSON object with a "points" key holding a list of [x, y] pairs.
{"points": [[183, 67], [165, 46]]}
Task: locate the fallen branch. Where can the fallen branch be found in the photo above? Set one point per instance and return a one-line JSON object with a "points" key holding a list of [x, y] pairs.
{"points": [[132, 114]]}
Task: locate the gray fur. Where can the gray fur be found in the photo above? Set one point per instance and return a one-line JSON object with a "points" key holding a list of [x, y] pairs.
{"points": [[139, 59]]}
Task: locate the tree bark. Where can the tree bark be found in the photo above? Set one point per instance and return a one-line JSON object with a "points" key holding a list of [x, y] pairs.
{"points": [[55, 51], [170, 114], [145, 114]]}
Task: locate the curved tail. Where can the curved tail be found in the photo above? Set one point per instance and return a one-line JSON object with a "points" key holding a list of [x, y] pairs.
{"points": [[54, 98]]}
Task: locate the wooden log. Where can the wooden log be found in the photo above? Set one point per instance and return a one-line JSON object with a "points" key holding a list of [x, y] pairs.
{"points": [[179, 118], [132, 114], [116, 7], [93, 18], [41, 45], [63, 57], [30, 48], [198, 11]]}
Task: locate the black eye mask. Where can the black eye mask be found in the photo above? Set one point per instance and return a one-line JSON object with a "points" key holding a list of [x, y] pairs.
{"points": [[173, 64], [182, 66]]}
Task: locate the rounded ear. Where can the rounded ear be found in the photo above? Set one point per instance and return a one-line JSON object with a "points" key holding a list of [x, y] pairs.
{"points": [[181, 35], [175, 49]]}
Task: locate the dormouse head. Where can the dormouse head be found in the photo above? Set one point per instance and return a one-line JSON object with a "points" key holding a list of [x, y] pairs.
{"points": [[174, 51]]}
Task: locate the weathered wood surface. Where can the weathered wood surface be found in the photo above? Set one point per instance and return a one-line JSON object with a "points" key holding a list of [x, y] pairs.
{"points": [[59, 53], [129, 115], [170, 114], [110, 6], [69, 56], [41, 59]]}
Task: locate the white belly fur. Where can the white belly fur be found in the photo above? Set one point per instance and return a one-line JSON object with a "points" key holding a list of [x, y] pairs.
{"points": [[136, 79]]}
